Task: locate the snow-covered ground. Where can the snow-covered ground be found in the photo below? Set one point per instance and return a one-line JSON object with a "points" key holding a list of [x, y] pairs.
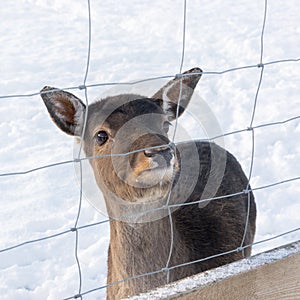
{"points": [[46, 42]]}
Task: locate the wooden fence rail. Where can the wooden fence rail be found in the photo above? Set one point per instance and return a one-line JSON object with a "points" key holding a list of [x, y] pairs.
{"points": [[271, 275]]}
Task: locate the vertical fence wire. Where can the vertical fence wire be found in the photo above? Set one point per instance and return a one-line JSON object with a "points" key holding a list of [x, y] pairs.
{"points": [[261, 66], [80, 150], [173, 143]]}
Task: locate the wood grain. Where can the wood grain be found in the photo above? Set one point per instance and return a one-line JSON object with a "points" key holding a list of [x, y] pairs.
{"points": [[272, 281]]}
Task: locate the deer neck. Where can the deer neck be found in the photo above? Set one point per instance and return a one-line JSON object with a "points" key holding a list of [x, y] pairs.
{"points": [[137, 249]]}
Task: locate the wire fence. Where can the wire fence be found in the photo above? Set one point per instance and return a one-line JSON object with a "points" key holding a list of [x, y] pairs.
{"points": [[76, 229]]}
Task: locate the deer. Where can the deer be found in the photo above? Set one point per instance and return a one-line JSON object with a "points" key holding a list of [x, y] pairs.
{"points": [[152, 186]]}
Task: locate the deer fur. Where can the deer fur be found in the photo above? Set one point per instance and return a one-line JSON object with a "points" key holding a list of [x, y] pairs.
{"points": [[144, 178]]}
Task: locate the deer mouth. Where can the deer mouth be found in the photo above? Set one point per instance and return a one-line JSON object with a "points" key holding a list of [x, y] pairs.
{"points": [[155, 166], [156, 173], [157, 170]]}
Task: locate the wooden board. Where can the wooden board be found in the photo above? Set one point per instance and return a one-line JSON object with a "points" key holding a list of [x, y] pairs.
{"points": [[271, 275], [274, 281]]}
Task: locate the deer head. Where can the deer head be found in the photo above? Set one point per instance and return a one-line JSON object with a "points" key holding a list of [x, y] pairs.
{"points": [[122, 124]]}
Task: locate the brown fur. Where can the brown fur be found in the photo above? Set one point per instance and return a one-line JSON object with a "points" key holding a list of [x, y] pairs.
{"points": [[130, 184]]}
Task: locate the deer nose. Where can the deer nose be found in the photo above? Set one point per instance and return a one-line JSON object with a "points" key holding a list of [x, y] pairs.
{"points": [[162, 152]]}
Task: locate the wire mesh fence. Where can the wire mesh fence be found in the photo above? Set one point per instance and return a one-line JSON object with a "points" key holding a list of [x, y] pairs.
{"points": [[251, 128]]}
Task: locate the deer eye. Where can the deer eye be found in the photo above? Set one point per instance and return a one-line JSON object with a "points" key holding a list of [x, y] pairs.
{"points": [[101, 137], [166, 126]]}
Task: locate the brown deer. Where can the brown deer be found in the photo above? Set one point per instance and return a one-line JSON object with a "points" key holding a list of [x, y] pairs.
{"points": [[148, 188]]}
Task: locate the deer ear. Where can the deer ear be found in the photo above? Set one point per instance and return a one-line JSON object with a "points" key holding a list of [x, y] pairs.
{"points": [[66, 110], [168, 95]]}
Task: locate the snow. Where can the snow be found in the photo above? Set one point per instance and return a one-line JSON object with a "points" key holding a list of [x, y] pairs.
{"points": [[45, 43]]}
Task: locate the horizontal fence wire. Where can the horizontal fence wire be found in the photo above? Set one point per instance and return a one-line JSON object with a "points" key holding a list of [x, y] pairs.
{"points": [[146, 211], [78, 160], [169, 76], [212, 139]]}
